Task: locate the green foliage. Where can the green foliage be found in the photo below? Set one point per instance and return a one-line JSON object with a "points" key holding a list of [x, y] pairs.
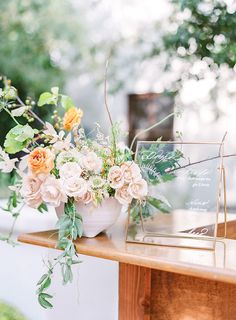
{"points": [[161, 204], [209, 30], [18, 138], [149, 208], [43, 208], [37, 38], [54, 98], [70, 228], [157, 163], [9, 313]]}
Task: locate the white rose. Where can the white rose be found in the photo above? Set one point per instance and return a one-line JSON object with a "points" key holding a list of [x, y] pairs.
{"points": [[91, 162], [116, 177], [123, 196], [70, 169], [131, 171], [30, 191], [138, 189], [75, 187], [52, 191]]}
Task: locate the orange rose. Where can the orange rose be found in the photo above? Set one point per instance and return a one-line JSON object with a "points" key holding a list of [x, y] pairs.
{"points": [[41, 160], [71, 118]]}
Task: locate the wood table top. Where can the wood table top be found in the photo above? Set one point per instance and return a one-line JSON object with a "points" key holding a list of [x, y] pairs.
{"points": [[217, 265]]}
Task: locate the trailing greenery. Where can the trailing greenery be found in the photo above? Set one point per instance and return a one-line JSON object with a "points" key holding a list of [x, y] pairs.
{"points": [[70, 228]]}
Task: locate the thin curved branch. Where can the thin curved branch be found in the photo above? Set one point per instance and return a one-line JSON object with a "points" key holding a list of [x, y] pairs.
{"points": [[150, 128]]}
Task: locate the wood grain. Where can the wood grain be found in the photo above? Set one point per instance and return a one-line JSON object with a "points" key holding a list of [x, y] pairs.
{"points": [[134, 292], [219, 265], [179, 297]]}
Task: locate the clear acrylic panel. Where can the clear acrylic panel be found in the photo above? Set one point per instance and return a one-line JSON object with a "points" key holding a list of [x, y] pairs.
{"points": [[184, 189]]}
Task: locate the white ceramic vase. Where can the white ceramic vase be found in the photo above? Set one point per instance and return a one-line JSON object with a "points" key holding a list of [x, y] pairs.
{"points": [[96, 219]]}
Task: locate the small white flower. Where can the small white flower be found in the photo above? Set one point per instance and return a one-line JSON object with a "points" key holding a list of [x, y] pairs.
{"points": [[6, 164], [67, 156], [57, 140], [96, 182]]}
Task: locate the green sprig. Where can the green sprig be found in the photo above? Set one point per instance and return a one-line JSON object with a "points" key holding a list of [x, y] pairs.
{"points": [[70, 228]]}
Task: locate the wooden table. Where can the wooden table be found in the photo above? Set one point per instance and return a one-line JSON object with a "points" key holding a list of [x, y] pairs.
{"points": [[164, 283]]}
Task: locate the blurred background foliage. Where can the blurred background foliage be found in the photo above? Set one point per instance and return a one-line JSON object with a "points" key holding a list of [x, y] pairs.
{"points": [[9, 313], [46, 43], [39, 40]]}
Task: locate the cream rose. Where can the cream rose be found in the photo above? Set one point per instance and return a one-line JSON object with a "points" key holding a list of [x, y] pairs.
{"points": [[70, 169], [123, 196], [116, 177], [87, 198], [52, 191], [75, 187], [30, 191], [138, 189], [91, 162], [131, 171]]}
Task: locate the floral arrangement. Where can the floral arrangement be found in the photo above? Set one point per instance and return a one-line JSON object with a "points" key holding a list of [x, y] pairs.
{"points": [[57, 163]]}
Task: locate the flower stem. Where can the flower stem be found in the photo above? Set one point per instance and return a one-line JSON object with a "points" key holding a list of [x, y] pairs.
{"points": [[150, 128], [7, 111]]}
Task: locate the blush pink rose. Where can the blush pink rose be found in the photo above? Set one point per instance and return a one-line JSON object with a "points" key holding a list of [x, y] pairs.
{"points": [[123, 196], [30, 190], [75, 186], [116, 177], [138, 189], [52, 191], [91, 162], [131, 171], [87, 198]]}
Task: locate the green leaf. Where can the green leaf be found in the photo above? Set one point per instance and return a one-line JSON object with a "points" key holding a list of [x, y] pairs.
{"points": [[66, 102], [160, 204], [46, 295], [47, 98], [42, 279], [79, 227], [66, 273], [43, 302], [17, 138], [23, 133], [43, 208]]}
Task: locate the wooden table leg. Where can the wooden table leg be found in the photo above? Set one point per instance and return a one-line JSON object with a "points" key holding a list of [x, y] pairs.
{"points": [[134, 292], [147, 294]]}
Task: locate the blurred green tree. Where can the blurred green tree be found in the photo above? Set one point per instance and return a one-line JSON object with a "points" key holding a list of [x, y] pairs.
{"points": [[39, 41], [203, 29]]}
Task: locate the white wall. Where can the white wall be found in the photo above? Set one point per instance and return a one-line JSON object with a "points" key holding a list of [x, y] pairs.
{"points": [[92, 295]]}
